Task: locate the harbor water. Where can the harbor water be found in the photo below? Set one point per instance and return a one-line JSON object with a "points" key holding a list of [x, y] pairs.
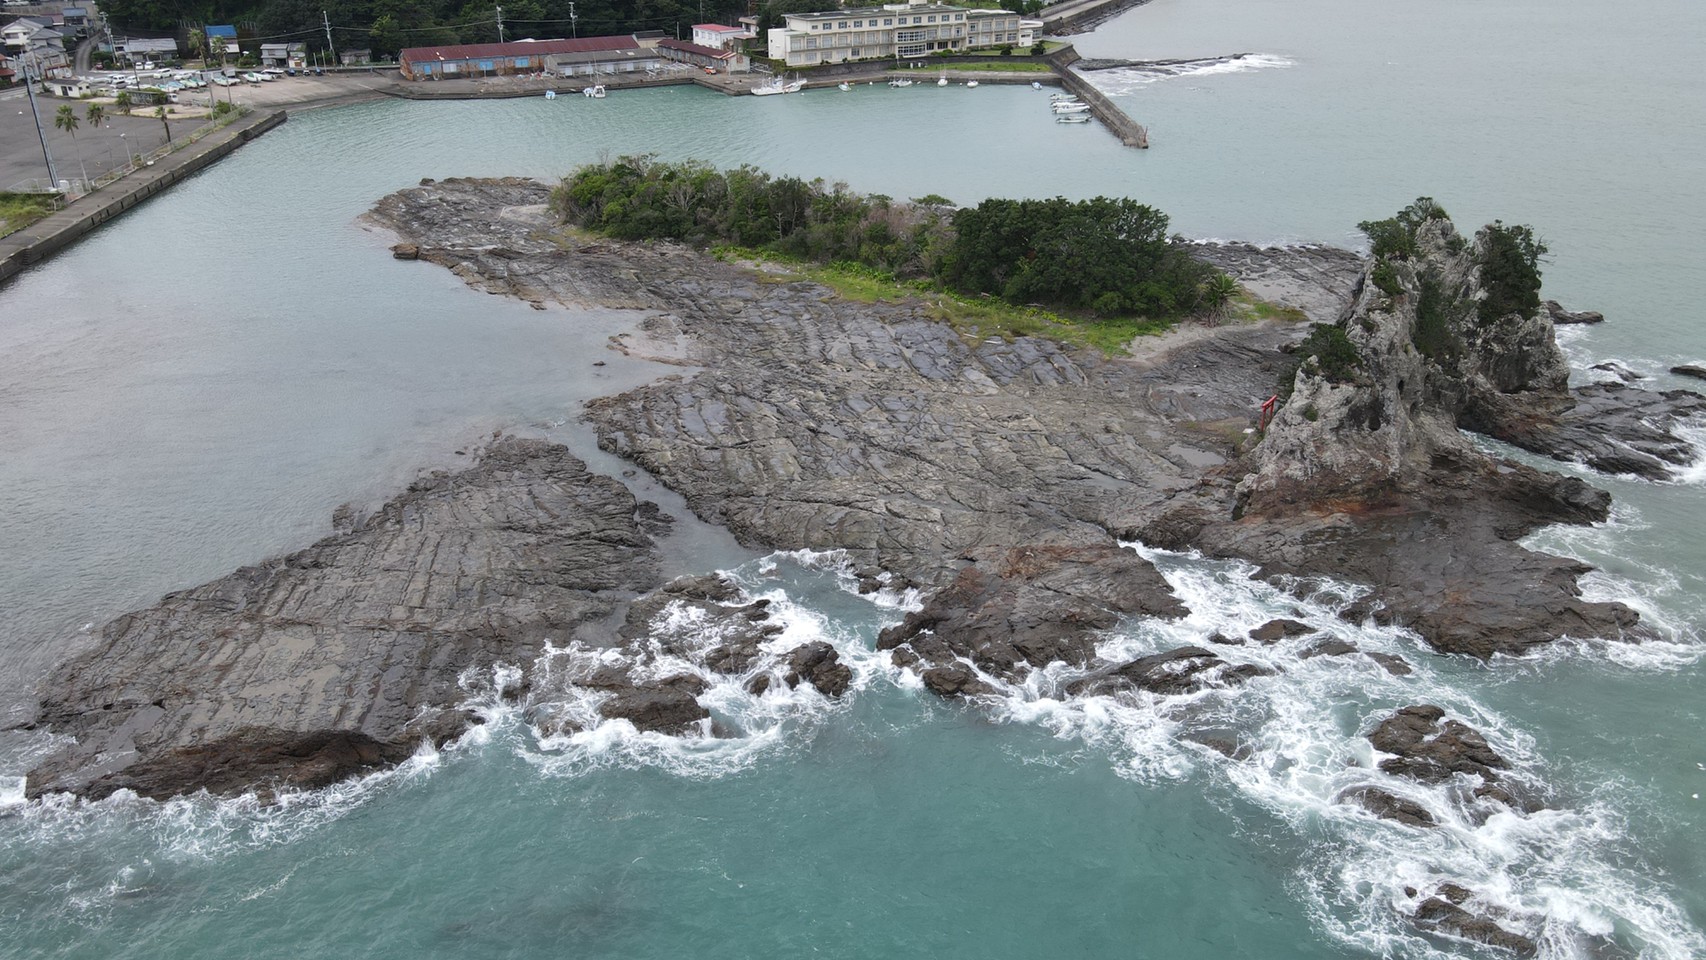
{"points": [[200, 384]]}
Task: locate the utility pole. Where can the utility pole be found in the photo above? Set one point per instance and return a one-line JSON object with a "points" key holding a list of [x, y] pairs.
{"points": [[52, 178], [500, 24], [573, 24], [327, 22]]}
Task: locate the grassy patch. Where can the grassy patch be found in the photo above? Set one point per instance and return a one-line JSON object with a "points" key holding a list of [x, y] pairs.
{"points": [[1248, 308], [975, 318], [19, 210]]}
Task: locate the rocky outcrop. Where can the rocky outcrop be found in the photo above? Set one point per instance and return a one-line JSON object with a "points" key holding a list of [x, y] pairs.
{"points": [[1558, 315], [1365, 473], [1016, 610], [344, 656], [816, 422], [1174, 672], [1690, 370], [1425, 750]]}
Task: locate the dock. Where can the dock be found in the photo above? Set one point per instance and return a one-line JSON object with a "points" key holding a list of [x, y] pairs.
{"points": [[1118, 122]]}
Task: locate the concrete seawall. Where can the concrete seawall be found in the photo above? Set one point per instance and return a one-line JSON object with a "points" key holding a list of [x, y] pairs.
{"points": [[59, 230], [1130, 132], [1082, 16]]}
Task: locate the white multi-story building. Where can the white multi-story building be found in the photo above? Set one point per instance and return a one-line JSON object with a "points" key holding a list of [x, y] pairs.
{"points": [[720, 36], [894, 31]]}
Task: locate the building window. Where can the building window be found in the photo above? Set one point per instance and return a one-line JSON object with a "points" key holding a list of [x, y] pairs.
{"points": [[841, 26], [888, 21], [932, 18], [855, 53]]}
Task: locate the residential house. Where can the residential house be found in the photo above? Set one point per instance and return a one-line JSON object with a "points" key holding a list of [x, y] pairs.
{"points": [[146, 48], [224, 37], [708, 58], [31, 34], [76, 19], [586, 55], [350, 58], [719, 36], [284, 55], [894, 31]]}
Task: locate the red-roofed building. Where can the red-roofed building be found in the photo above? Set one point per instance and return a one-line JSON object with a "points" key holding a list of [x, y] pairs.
{"points": [[586, 55], [708, 58], [718, 35]]}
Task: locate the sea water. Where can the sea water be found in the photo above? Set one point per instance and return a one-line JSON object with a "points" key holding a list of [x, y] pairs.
{"points": [[200, 384]]}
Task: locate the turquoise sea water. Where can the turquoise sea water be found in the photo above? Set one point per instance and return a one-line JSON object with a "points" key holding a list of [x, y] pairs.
{"points": [[201, 383]]}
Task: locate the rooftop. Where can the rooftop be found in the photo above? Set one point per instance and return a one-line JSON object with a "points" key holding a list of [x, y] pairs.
{"points": [[226, 30], [908, 10], [703, 51], [528, 48], [716, 28]]}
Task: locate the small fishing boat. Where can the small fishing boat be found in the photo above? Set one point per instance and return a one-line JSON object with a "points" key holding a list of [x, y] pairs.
{"points": [[594, 92], [1035, 85], [1073, 118], [844, 86], [550, 94], [971, 83], [1071, 108], [778, 85], [901, 82]]}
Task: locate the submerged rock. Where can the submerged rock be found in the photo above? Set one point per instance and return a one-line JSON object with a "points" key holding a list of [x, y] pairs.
{"points": [[1389, 806], [1428, 751], [1442, 915], [1179, 671]]}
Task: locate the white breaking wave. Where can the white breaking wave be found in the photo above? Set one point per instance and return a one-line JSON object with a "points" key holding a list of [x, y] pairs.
{"points": [[1121, 81], [1557, 876]]}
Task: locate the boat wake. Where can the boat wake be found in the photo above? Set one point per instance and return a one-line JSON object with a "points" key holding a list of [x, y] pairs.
{"points": [[1120, 81]]}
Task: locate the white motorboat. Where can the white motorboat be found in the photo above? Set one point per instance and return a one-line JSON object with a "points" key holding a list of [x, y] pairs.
{"points": [[595, 92], [1073, 118], [902, 82], [844, 86], [1071, 108], [777, 85], [942, 80], [550, 94], [971, 83], [1035, 85]]}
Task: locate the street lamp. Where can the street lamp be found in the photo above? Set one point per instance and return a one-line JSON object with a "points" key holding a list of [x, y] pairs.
{"points": [[129, 157]]}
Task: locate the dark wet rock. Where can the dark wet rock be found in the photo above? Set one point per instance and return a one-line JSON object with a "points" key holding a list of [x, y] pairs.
{"points": [[1557, 314], [1031, 606], [1618, 370], [818, 664], [1394, 664], [1276, 630], [405, 251], [1431, 752], [955, 680], [1690, 370], [1221, 638], [1178, 671], [671, 708], [1389, 806], [1428, 751], [1227, 745], [1329, 648], [1440, 915], [315, 666], [1613, 428]]}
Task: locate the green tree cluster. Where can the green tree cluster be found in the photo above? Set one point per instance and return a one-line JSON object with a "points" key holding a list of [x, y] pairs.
{"points": [[1108, 257], [641, 198], [1396, 236], [1510, 271]]}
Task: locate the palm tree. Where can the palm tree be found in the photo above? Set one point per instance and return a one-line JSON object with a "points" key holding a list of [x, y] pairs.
{"points": [[66, 119], [1216, 295], [96, 114], [197, 42], [122, 102]]}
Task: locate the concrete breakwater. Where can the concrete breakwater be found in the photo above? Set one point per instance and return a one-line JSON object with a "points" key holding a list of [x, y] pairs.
{"points": [[1082, 16], [59, 230], [1130, 132]]}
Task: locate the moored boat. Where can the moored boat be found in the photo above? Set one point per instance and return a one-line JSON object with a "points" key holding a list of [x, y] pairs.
{"points": [[595, 92], [1073, 118], [777, 85]]}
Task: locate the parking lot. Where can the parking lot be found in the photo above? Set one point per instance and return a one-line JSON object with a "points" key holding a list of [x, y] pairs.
{"points": [[87, 152]]}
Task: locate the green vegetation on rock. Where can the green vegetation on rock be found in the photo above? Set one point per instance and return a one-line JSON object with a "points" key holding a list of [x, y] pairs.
{"points": [[1108, 260], [1510, 271], [1327, 353]]}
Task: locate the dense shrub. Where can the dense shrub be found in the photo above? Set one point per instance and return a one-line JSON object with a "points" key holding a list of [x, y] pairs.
{"points": [[1510, 271], [1385, 279], [1328, 353]]}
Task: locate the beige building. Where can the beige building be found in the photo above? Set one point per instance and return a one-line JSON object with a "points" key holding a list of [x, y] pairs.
{"points": [[896, 31]]}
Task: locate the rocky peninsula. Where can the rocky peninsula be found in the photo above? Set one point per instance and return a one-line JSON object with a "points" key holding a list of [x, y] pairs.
{"points": [[999, 475]]}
